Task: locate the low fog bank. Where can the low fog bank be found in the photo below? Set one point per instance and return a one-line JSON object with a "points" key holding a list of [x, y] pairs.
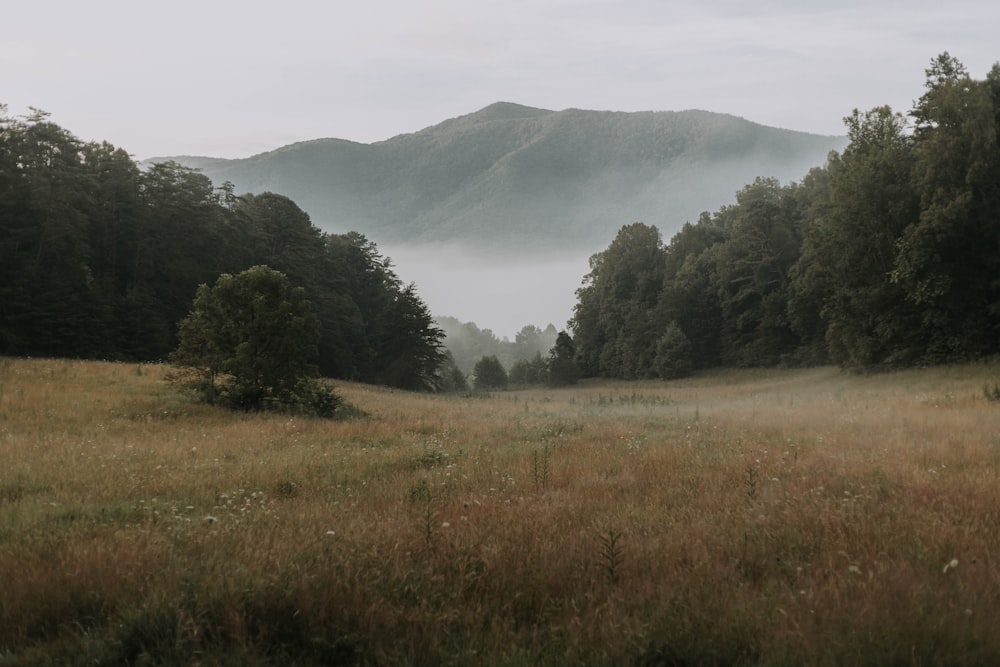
{"points": [[500, 293]]}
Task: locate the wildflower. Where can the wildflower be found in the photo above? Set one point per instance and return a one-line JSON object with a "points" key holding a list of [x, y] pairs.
{"points": [[950, 566]]}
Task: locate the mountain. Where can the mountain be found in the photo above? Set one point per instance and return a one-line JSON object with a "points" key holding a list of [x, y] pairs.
{"points": [[513, 178]]}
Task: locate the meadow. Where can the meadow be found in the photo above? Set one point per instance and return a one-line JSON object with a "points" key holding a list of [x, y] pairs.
{"points": [[779, 517]]}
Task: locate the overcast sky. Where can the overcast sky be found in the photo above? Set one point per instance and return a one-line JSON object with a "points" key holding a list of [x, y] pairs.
{"points": [[230, 78], [233, 78]]}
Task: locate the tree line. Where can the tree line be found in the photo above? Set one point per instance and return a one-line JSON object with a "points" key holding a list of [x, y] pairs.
{"points": [[101, 259], [467, 343], [887, 256]]}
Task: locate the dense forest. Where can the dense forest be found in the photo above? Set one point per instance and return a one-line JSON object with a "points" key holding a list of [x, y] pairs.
{"points": [[101, 259], [887, 256]]}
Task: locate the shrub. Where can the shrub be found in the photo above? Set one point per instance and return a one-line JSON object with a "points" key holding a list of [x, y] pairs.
{"points": [[248, 343]]}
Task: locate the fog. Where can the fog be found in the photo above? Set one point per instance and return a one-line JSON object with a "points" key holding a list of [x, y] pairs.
{"points": [[498, 293]]}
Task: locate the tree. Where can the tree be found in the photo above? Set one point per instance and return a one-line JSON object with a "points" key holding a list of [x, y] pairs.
{"points": [[248, 343], [690, 295], [563, 369], [527, 372], [753, 264], [410, 347], [614, 324], [673, 353], [849, 251], [450, 377], [489, 374], [948, 260]]}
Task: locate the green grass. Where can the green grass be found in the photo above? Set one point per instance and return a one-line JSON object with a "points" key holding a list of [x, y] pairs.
{"points": [[778, 517]]}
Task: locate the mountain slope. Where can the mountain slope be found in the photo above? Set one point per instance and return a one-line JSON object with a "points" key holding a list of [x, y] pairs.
{"points": [[513, 178]]}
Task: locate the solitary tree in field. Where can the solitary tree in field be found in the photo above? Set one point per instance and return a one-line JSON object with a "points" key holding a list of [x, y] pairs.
{"points": [[249, 342]]}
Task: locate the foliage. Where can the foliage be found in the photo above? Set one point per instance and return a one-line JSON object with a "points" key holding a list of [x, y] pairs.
{"points": [[562, 366], [673, 353], [489, 374], [848, 254], [248, 343], [948, 259], [468, 343], [99, 259], [888, 256], [409, 346], [450, 376], [613, 319], [529, 372], [763, 236]]}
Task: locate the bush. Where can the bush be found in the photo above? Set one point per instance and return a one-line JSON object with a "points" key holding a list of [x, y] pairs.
{"points": [[247, 344]]}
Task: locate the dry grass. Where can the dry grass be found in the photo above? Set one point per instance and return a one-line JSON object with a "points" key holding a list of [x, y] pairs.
{"points": [[779, 517]]}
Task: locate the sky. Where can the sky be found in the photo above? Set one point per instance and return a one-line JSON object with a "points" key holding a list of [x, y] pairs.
{"points": [[230, 78]]}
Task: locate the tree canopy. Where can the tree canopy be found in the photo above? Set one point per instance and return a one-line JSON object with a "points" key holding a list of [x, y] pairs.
{"points": [[888, 255], [250, 342], [100, 258], [489, 374]]}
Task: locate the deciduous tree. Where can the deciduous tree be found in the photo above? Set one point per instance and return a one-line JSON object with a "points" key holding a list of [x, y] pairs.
{"points": [[249, 342]]}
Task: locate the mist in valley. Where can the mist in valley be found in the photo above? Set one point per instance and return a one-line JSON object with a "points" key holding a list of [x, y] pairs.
{"points": [[499, 292], [494, 215]]}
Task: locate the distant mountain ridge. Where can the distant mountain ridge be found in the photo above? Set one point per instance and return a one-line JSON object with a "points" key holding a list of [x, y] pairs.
{"points": [[512, 178]]}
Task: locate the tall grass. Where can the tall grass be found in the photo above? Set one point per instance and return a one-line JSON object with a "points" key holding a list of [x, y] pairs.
{"points": [[779, 517]]}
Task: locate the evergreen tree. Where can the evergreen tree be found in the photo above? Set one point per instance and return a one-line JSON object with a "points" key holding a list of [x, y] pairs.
{"points": [[489, 374], [563, 369]]}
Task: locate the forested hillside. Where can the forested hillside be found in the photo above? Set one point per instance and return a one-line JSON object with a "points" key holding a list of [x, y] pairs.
{"points": [[99, 259], [887, 256], [514, 178]]}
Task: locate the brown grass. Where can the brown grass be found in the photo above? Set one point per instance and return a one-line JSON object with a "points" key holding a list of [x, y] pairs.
{"points": [[765, 517]]}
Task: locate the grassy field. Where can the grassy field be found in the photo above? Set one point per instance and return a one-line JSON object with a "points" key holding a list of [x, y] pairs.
{"points": [[757, 517]]}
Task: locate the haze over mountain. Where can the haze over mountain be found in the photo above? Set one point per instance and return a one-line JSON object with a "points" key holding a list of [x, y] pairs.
{"points": [[511, 177], [511, 183]]}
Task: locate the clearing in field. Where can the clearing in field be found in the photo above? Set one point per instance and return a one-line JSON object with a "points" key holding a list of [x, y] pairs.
{"points": [[775, 517]]}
